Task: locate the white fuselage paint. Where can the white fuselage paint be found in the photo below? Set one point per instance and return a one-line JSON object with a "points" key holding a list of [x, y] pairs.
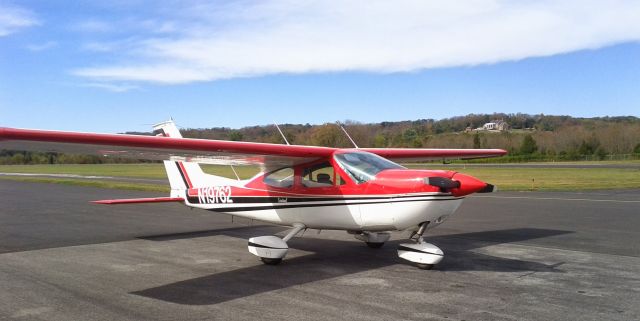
{"points": [[383, 215]]}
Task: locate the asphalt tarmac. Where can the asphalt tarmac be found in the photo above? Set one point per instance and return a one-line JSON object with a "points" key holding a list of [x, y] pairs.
{"points": [[508, 256]]}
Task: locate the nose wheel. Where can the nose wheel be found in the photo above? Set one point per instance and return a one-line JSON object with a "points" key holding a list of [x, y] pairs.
{"points": [[375, 245], [424, 254]]}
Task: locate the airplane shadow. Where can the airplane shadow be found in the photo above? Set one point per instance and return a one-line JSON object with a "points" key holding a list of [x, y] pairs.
{"points": [[334, 258], [240, 232]]}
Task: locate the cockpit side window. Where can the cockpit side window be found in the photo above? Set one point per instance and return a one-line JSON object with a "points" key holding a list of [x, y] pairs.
{"points": [[362, 166], [318, 175], [281, 178]]}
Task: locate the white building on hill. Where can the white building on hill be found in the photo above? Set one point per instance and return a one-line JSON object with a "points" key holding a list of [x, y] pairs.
{"points": [[496, 125]]}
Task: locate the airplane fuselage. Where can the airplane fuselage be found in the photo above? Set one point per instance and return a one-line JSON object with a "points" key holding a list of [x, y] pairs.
{"points": [[394, 199], [382, 212]]}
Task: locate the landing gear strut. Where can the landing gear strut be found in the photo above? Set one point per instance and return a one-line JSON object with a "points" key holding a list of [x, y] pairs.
{"points": [[416, 236], [426, 255], [272, 249]]}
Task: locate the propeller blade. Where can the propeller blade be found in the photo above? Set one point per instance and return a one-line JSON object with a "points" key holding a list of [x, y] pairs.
{"points": [[488, 189]]}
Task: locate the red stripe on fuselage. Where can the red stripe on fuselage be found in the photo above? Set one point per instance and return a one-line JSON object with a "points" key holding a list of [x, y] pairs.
{"points": [[184, 173]]}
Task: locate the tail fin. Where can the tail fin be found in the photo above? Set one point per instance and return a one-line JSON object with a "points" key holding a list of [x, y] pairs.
{"points": [[184, 175], [166, 129]]}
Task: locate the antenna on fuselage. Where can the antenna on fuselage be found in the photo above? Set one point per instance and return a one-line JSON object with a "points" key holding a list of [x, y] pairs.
{"points": [[283, 137], [345, 132]]}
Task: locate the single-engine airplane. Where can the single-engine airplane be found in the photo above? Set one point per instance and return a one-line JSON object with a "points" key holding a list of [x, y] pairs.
{"points": [[359, 190]]}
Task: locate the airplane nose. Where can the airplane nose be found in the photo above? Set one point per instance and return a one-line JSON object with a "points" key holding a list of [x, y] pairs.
{"points": [[470, 184]]}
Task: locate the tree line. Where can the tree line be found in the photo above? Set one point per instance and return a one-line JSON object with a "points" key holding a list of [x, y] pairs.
{"points": [[532, 137]]}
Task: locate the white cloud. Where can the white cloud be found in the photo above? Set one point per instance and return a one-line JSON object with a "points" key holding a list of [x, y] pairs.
{"points": [[93, 26], [42, 46], [12, 19], [248, 39], [116, 88], [126, 25]]}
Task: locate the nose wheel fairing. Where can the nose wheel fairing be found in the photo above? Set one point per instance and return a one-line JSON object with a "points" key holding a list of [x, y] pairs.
{"points": [[424, 254]]}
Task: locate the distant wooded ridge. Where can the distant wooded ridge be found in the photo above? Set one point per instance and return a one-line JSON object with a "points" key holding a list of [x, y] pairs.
{"points": [[531, 137]]}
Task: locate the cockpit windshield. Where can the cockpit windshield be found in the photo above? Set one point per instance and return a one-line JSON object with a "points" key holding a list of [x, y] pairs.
{"points": [[363, 166]]}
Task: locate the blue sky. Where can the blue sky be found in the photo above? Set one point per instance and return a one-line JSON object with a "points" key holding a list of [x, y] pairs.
{"points": [[117, 66]]}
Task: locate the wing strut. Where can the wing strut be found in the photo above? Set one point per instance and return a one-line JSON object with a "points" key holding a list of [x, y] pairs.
{"points": [[345, 132]]}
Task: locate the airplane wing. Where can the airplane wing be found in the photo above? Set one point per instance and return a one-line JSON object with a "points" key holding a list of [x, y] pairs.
{"points": [[426, 154], [205, 151], [161, 148]]}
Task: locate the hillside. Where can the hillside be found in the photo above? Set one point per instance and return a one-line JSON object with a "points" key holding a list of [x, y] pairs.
{"points": [[561, 137], [531, 137]]}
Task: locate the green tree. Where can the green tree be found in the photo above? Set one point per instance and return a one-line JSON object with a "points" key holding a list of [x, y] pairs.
{"points": [[528, 145], [235, 135], [409, 136], [588, 147], [17, 159], [326, 135], [636, 150], [476, 141], [380, 141]]}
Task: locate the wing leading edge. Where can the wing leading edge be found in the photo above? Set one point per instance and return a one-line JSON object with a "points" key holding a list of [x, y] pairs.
{"points": [[425, 154], [206, 151], [161, 148]]}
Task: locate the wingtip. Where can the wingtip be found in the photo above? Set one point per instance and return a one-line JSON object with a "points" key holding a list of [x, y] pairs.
{"points": [[3, 131], [104, 202]]}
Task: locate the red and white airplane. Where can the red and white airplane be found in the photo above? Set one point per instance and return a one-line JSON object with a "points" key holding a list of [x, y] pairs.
{"points": [[359, 190]]}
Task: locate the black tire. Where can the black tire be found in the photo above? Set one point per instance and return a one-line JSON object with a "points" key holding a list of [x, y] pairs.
{"points": [[375, 245], [423, 266], [269, 261]]}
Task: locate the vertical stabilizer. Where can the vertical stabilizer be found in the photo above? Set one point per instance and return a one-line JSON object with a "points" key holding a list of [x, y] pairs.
{"points": [[178, 186], [184, 175], [166, 129]]}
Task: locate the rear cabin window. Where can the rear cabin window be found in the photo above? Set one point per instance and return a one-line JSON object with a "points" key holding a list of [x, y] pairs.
{"points": [[282, 178]]}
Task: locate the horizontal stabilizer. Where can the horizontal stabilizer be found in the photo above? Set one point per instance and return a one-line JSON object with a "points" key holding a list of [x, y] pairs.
{"points": [[140, 200]]}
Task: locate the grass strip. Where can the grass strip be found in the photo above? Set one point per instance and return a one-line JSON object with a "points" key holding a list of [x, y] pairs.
{"points": [[507, 179]]}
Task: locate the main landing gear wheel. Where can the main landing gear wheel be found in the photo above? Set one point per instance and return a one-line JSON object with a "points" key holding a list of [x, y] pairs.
{"points": [[375, 245], [423, 266], [269, 261], [425, 255], [272, 249]]}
